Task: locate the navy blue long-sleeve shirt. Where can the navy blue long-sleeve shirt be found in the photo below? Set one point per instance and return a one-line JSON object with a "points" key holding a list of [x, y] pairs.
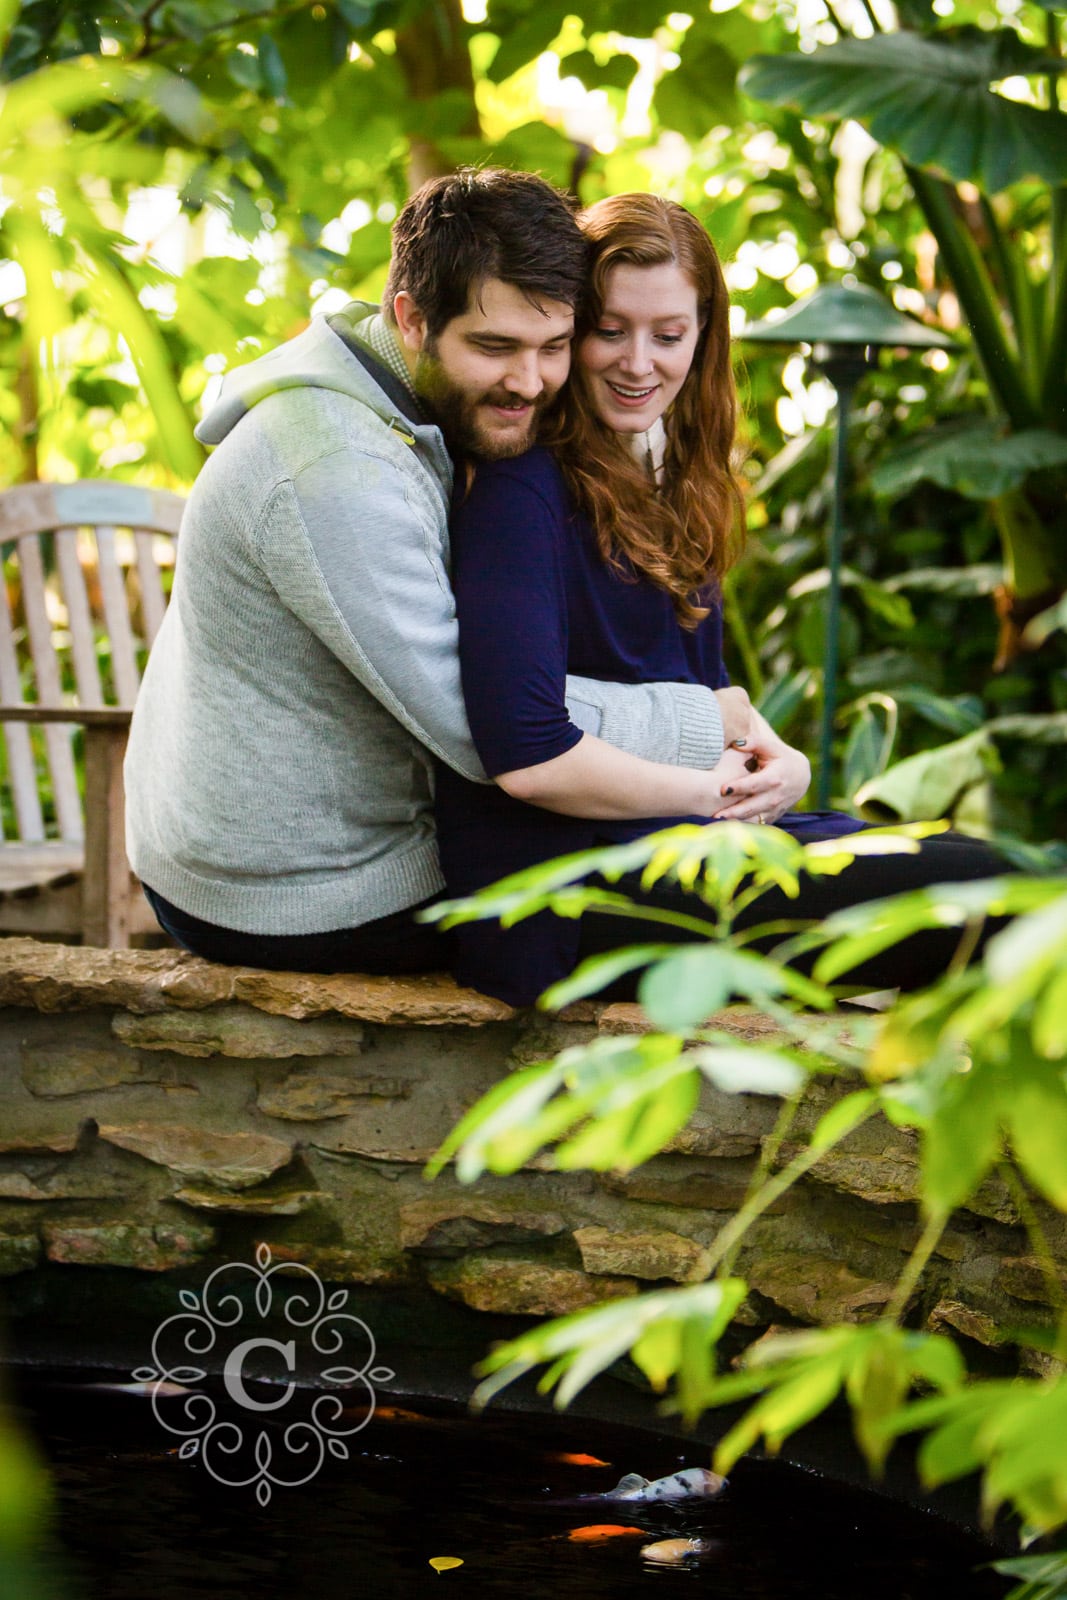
{"points": [[535, 602]]}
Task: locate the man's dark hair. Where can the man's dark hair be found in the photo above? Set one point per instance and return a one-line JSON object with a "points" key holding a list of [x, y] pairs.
{"points": [[479, 223]]}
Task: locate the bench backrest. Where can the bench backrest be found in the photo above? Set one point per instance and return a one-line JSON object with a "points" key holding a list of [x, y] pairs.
{"points": [[86, 569]]}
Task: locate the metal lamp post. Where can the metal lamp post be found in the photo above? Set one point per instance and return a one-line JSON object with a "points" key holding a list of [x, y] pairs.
{"points": [[845, 327]]}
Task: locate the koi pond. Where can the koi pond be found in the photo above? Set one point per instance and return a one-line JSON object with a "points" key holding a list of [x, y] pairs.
{"points": [[419, 1496]]}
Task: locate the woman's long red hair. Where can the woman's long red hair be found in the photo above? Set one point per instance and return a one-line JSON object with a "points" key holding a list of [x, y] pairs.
{"points": [[689, 533]]}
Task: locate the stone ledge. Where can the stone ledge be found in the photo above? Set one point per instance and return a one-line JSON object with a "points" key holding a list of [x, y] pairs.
{"points": [[54, 977]]}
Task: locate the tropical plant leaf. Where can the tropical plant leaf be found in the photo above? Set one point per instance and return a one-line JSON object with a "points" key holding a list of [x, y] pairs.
{"points": [[1046, 622], [929, 98], [700, 92], [962, 714], [1036, 1116], [616, 72], [892, 608], [784, 697], [962, 1139], [860, 931], [736, 1069], [712, 861], [581, 1346], [1050, 1018], [980, 578], [1047, 728], [1044, 1577], [803, 1373], [523, 41], [684, 988], [523, 1094], [928, 784], [596, 972], [977, 460], [620, 1137], [870, 740], [1020, 961], [608, 1104]]}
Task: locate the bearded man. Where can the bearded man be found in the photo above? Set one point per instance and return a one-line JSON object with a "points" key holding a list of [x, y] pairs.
{"points": [[279, 772]]}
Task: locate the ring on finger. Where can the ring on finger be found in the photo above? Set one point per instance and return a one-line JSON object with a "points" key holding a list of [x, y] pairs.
{"points": [[760, 817]]}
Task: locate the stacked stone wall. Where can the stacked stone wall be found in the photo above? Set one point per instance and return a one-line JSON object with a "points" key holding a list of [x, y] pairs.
{"points": [[160, 1114]]}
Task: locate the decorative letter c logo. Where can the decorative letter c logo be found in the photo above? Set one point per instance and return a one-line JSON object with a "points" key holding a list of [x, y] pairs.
{"points": [[233, 1377]]}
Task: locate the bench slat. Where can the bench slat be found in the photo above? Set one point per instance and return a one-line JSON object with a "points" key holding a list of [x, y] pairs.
{"points": [[82, 640], [32, 865], [57, 736], [21, 771], [153, 600], [126, 678]]}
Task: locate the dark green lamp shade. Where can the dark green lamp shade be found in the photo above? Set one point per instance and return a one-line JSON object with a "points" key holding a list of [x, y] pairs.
{"points": [[841, 314]]}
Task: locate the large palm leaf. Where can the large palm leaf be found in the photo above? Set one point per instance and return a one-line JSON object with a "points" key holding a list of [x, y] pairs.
{"points": [[930, 98]]}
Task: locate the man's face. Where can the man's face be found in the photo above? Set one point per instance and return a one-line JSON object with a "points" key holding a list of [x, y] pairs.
{"points": [[491, 372]]}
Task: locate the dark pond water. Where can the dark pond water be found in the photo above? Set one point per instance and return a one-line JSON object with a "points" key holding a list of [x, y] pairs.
{"points": [[139, 1522]]}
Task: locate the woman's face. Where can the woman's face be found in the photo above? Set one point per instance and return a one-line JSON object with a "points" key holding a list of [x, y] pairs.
{"points": [[639, 354]]}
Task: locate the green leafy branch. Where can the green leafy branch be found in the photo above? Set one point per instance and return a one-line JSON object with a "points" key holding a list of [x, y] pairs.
{"points": [[977, 1064]]}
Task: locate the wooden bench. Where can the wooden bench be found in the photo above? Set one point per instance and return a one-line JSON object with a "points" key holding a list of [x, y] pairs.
{"points": [[86, 576]]}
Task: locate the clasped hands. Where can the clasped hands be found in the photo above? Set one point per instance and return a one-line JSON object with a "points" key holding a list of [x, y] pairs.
{"points": [[761, 777]]}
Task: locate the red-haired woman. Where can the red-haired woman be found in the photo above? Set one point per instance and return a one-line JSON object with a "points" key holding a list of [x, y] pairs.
{"points": [[601, 552]]}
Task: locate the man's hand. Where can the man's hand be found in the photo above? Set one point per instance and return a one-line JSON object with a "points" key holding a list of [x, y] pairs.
{"points": [[736, 710], [781, 777]]}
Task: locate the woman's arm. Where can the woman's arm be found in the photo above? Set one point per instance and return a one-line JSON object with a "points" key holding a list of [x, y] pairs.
{"points": [[594, 779], [512, 537]]}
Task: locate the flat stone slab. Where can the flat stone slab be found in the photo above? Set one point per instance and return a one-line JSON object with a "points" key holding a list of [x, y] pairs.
{"points": [[52, 1071], [18, 1253], [121, 1244], [23, 1186], [650, 1254], [223, 1160], [524, 1287], [316, 1097], [238, 1031], [451, 1223], [281, 1203], [818, 1289], [39, 1144]]}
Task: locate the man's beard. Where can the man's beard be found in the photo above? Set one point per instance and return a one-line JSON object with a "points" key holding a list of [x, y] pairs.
{"points": [[455, 411]]}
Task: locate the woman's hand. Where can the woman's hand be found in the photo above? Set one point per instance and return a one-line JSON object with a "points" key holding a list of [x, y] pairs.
{"points": [[782, 775]]}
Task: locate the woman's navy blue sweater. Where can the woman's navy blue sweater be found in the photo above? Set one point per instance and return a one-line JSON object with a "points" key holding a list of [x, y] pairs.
{"points": [[536, 601]]}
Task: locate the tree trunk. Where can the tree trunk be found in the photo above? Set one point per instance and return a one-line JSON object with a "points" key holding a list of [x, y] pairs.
{"points": [[434, 58], [25, 431]]}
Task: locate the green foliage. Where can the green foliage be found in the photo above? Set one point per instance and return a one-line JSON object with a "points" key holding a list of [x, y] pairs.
{"points": [[930, 784], [931, 99], [797, 1375], [929, 93], [1044, 1577], [1012, 1432], [51, 229], [977, 1064], [972, 458], [665, 1334], [290, 132], [726, 865], [25, 1490]]}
